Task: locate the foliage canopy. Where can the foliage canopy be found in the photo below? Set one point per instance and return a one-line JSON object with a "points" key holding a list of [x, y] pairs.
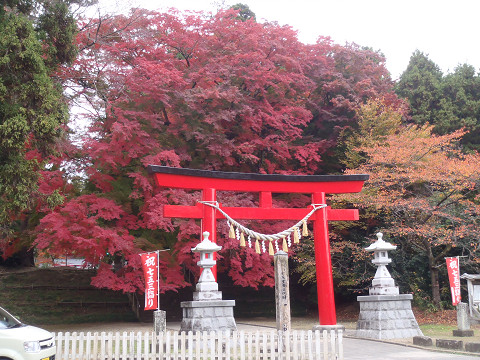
{"points": [[215, 92]]}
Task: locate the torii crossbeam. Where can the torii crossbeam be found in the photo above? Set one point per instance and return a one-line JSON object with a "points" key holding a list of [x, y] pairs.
{"points": [[209, 182]]}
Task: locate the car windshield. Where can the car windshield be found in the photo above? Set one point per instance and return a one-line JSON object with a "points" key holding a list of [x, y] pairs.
{"points": [[7, 321]]}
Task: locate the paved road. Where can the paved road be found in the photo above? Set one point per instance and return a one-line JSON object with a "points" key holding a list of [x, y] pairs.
{"points": [[376, 350]]}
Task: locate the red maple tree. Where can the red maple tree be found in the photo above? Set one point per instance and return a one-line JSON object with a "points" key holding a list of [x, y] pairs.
{"points": [[199, 91]]}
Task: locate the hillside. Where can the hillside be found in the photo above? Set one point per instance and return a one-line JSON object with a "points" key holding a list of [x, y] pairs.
{"points": [[64, 295], [59, 296]]}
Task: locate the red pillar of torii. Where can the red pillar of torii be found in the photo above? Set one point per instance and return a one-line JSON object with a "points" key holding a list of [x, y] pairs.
{"points": [[265, 184]]}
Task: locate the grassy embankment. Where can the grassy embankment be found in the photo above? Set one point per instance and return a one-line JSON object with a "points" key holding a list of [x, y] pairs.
{"points": [[60, 296]]}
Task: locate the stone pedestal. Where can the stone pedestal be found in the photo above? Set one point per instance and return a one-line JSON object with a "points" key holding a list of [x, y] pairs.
{"points": [[463, 321], [387, 317], [336, 328], [208, 315], [159, 321]]}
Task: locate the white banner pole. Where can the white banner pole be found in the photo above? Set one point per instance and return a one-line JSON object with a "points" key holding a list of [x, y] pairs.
{"points": [[158, 280]]}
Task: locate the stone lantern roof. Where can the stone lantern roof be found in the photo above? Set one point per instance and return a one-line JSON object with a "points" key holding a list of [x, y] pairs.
{"points": [[380, 244], [206, 245]]}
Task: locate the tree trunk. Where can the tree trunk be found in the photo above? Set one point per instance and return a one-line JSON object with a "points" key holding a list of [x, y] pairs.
{"points": [[435, 285], [433, 276]]}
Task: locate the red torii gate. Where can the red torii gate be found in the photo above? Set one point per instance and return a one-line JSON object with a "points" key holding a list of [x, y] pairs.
{"points": [[265, 184]]}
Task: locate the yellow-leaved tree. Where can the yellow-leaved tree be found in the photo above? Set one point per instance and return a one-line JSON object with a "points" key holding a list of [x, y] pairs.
{"points": [[425, 189]]}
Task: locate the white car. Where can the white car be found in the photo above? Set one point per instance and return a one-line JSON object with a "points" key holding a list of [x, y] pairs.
{"points": [[24, 342]]}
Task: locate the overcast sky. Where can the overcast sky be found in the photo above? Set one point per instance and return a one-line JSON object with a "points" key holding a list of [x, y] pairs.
{"points": [[447, 31]]}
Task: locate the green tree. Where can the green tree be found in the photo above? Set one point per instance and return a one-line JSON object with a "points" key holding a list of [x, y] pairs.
{"points": [[36, 39], [449, 102], [244, 12], [460, 105], [420, 84], [376, 120], [57, 28]]}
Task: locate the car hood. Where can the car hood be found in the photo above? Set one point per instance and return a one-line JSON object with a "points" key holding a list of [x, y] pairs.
{"points": [[28, 333]]}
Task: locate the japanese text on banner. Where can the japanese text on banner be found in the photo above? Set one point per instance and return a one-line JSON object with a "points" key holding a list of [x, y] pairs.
{"points": [[150, 271], [453, 268]]}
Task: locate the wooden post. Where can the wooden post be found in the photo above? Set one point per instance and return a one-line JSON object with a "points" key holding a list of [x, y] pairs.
{"points": [[282, 292]]}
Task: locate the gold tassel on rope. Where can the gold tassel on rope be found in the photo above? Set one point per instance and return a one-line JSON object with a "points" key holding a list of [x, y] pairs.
{"points": [[270, 248], [284, 245], [304, 229], [257, 247], [242, 240], [231, 233], [295, 235]]}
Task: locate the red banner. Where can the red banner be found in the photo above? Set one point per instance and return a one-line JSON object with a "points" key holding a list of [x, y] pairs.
{"points": [[453, 268], [150, 270]]}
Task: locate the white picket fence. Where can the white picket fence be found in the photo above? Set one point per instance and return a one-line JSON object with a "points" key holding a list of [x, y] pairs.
{"points": [[172, 345]]}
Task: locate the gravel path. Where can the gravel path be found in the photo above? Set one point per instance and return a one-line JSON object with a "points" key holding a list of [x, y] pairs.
{"points": [[243, 324]]}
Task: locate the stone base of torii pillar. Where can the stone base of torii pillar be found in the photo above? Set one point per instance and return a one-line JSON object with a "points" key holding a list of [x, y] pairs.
{"points": [[385, 314], [207, 311]]}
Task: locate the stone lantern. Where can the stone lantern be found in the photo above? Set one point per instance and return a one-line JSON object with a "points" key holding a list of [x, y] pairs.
{"points": [[207, 311], [384, 313], [382, 283], [206, 248]]}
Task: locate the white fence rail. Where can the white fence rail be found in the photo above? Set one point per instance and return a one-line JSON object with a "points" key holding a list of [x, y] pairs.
{"points": [[170, 345]]}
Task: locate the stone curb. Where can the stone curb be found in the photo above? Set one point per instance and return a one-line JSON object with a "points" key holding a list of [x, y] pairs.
{"points": [[450, 344], [422, 341], [472, 347]]}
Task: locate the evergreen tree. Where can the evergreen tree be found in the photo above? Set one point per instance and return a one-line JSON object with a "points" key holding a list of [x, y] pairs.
{"points": [[420, 84], [449, 102], [460, 105], [36, 39], [244, 12]]}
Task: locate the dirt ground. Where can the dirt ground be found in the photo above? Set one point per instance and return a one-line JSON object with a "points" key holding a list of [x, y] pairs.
{"points": [[303, 323], [346, 315]]}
